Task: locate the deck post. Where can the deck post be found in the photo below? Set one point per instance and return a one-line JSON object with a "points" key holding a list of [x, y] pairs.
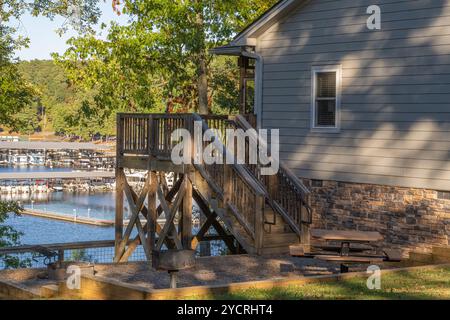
{"points": [[120, 183], [305, 236], [186, 219], [119, 209], [273, 185], [152, 214], [259, 223], [227, 185]]}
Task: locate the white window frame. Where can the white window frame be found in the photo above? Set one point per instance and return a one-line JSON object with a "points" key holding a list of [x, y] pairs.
{"points": [[319, 69]]}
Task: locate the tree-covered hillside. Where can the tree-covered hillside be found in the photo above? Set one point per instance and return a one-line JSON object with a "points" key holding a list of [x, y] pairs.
{"points": [[62, 108], [58, 105], [53, 92]]}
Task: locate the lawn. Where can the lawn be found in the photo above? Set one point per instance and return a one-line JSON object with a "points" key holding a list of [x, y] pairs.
{"points": [[416, 284]]}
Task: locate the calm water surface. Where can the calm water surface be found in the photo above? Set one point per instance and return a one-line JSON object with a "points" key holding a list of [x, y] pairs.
{"points": [[45, 231], [99, 205]]}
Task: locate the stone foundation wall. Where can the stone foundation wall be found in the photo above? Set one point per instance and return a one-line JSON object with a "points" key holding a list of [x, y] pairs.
{"points": [[410, 219]]}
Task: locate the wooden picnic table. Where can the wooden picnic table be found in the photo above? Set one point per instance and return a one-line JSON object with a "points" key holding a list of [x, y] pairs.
{"points": [[345, 239], [353, 247], [347, 236]]}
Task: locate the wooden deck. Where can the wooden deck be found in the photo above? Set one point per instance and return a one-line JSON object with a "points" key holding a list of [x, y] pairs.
{"points": [[250, 212]]}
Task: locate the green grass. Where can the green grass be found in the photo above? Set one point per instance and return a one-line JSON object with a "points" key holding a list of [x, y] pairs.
{"points": [[417, 285]]}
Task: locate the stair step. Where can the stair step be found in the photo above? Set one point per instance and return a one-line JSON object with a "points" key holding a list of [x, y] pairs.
{"points": [[275, 250], [280, 224], [275, 229], [236, 229], [280, 239]]}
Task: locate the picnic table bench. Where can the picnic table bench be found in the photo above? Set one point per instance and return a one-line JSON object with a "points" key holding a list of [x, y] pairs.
{"points": [[351, 247], [346, 238]]}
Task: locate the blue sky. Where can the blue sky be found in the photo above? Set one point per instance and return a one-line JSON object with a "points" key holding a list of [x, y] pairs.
{"points": [[44, 39]]}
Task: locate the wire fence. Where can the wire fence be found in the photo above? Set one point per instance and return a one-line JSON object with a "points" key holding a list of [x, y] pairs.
{"points": [[101, 252]]}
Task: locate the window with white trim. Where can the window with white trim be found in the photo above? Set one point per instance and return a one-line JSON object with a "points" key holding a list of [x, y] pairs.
{"points": [[326, 97]]}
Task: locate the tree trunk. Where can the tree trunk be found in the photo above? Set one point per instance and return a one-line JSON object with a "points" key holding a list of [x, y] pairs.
{"points": [[202, 85], [202, 65]]}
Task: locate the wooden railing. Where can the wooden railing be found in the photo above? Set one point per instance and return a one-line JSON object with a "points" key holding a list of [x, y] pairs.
{"points": [[134, 133], [241, 185], [286, 193], [149, 134], [240, 191]]}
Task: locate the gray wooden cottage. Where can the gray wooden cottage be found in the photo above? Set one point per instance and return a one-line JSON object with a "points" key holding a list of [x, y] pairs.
{"points": [[364, 113]]}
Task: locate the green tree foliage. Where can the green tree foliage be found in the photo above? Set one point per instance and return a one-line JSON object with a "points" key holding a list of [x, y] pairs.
{"points": [[18, 109], [15, 93], [10, 237], [58, 106], [160, 60]]}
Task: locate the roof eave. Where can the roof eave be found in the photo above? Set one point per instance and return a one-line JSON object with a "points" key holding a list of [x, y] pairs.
{"points": [[230, 50], [272, 16]]}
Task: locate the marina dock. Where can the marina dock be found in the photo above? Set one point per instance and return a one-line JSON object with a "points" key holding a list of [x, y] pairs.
{"points": [[78, 219], [67, 218], [56, 175]]}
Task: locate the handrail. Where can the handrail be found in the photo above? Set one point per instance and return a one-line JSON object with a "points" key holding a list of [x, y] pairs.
{"points": [[250, 215], [251, 181], [295, 180], [292, 183]]}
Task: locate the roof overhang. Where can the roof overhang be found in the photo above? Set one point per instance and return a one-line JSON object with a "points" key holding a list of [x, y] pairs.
{"points": [[231, 50]]}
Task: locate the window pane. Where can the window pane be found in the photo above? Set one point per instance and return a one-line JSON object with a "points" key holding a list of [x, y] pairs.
{"points": [[326, 85], [326, 113]]}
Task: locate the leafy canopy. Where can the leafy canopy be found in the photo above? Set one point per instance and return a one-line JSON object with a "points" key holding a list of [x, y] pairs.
{"points": [[160, 60]]}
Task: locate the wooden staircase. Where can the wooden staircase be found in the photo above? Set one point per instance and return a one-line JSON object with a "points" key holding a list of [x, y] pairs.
{"points": [[275, 222], [264, 214]]}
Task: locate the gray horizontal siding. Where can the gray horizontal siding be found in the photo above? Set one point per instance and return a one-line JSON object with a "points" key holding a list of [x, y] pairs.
{"points": [[317, 151], [380, 98], [381, 161], [356, 107], [423, 126], [343, 54], [422, 9], [395, 114], [365, 90], [349, 29]]}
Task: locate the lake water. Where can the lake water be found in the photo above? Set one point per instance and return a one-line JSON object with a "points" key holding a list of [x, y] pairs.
{"points": [[84, 204], [45, 231], [99, 205]]}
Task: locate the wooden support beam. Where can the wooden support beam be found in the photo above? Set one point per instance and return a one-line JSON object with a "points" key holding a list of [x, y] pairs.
{"points": [[186, 218], [163, 183], [136, 242], [204, 208], [153, 164], [170, 216], [119, 210], [152, 212], [136, 208], [203, 230]]}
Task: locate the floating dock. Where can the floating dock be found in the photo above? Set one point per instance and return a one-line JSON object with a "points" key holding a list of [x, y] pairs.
{"points": [[78, 219], [67, 218], [56, 175]]}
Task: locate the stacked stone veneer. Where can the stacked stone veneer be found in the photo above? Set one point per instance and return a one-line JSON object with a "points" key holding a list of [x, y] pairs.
{"points": [[411, 219]]}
